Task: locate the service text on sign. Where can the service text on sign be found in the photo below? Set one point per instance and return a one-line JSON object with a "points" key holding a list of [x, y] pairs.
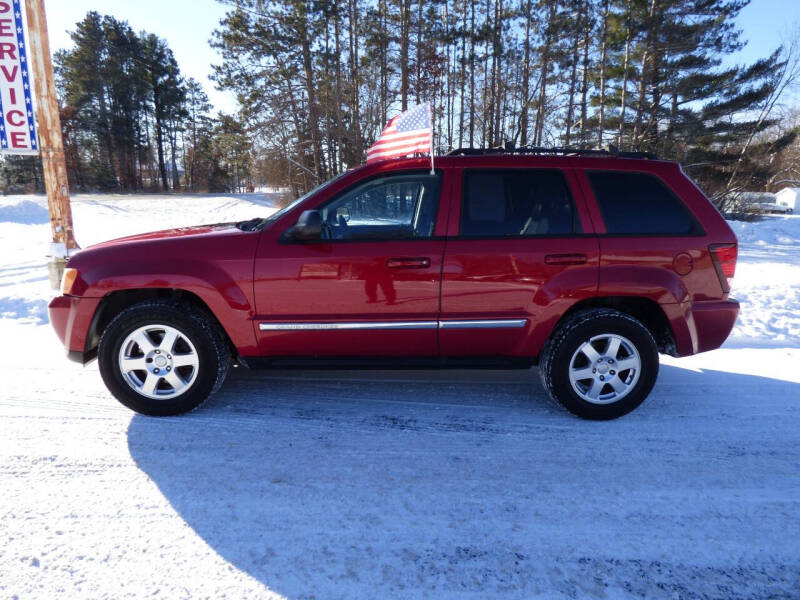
{"points": [[18, 126]]}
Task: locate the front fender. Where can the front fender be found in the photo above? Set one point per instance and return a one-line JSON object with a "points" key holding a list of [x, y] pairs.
{"points": [[216, 287], [200, 277], [217, 269]]}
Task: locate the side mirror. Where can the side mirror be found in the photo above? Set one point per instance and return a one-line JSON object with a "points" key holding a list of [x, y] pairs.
{"points": [[308, 226], [343, 213]]}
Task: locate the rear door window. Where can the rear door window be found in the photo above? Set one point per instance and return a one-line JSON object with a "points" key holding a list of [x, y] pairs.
{"points": [[640, 204], [518, 203]]}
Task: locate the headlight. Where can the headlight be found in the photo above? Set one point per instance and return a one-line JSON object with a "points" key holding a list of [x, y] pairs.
{"points": [[68, 280]]}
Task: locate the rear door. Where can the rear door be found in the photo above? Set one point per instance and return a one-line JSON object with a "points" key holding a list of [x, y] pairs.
{"points": [[370, 287], [520, 250]]}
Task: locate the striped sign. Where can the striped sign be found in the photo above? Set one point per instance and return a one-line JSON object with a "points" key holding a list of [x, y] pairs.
{"points": [[18, 126]]}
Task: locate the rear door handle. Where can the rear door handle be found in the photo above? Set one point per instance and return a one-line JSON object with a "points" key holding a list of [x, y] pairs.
{"points": [[565, 259], [408, 263]]}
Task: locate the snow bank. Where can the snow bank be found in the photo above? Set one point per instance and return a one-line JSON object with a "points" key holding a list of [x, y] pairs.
{"points": [[25, 234], [767, 282], [25, 212], [779, 233]]}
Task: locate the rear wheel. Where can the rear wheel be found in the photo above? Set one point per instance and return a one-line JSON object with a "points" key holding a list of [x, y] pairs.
{"points": [[161, 357], [600, 364]]}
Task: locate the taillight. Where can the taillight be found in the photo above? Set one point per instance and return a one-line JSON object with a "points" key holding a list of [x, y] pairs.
{"points": [[724, 257]]}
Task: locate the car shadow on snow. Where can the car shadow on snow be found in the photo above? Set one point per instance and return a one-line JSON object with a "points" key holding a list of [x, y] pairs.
{"points": [[459, 484]]}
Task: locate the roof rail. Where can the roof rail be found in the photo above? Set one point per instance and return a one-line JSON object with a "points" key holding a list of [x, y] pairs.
{"points": [[509, 148]]}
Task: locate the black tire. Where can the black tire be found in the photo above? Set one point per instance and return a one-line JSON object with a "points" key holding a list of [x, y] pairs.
{"points": [[568, 337], [214, 358]]}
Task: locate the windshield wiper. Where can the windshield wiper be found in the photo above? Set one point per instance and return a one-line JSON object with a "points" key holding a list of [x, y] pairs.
{"points": [[249, 225]]}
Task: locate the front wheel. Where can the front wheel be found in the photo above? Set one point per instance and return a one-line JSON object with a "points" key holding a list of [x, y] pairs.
{"points": [[600, 364], [161, 357]]}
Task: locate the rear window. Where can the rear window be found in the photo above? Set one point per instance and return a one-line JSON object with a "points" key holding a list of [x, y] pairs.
{"points": [[639, 203], [519, 203]]}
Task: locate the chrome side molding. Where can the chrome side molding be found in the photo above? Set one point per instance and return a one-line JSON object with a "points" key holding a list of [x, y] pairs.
{"points": [[464, 324], [484, 324], [361, 325]]}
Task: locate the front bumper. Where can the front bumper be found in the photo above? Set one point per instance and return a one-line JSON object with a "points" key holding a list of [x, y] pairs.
{"points": [[71, 317]]}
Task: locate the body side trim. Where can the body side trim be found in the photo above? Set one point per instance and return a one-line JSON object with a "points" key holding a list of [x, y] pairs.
{"points": [[484, 324], [361, 325], [471, 324]]}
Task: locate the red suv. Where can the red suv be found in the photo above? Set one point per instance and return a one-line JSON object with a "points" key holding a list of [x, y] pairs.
{"points": [[587, 264]]}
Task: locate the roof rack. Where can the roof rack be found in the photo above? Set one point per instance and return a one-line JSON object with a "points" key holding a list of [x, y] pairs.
{"points": [[509, 148]]}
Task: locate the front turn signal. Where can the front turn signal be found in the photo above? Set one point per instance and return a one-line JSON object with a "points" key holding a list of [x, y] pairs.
{"points": [[68, 280]]}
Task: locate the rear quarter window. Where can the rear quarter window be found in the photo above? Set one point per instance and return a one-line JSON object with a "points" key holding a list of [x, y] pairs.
{"points": [[640, 203]]}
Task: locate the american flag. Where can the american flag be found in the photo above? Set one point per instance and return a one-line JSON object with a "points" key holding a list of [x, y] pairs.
{"points": [[405, 134]]}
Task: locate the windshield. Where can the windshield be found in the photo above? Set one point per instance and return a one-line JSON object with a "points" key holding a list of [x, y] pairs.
{"points": [[279, 213]]}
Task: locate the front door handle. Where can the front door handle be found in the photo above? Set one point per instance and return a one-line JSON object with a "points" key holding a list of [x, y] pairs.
{"points": [[408, 263], [565, 259]]}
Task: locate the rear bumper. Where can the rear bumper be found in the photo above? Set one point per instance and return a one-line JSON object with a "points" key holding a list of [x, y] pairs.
{"points": [[71, 317], [702, 326], [714, 322]]}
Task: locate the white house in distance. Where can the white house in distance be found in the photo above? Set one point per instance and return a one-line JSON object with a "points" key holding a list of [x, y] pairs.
{"points": [[789, 197]]}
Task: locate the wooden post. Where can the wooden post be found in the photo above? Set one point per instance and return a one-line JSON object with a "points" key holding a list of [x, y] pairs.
{"points": [[51, 143]]}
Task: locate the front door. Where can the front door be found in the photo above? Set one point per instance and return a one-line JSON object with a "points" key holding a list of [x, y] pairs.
{"points": [[369, 287]]}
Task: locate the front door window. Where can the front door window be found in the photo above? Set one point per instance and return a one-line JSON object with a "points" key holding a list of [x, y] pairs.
{"points": [[389, 208]]}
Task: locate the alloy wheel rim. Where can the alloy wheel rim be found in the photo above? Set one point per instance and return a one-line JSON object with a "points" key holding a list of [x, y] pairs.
{"points": [[158, 361], [605, 369]]}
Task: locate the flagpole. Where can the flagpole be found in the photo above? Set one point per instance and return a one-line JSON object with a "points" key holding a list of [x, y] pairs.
{"points": [[430, 120]]}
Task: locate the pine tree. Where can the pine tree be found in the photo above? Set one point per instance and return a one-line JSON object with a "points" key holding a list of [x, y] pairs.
{"points": [[126, 109], [198, 126]]}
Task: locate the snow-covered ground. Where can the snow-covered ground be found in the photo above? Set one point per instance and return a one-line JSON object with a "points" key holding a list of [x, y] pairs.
{"points": [[396, 484]]}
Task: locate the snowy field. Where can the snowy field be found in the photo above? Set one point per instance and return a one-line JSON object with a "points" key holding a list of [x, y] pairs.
{"points": [[457, 484]]}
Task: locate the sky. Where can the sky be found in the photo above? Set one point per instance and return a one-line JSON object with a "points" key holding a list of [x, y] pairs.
{"points": [[187, 26], [766, 24]]}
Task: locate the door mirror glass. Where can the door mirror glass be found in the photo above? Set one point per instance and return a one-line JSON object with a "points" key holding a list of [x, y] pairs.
{"points": [[308, 226], [343, 212]]}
